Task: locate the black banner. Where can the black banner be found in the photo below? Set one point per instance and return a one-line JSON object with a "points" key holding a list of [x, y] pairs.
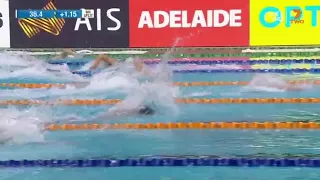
{"points": [[108, 29]]}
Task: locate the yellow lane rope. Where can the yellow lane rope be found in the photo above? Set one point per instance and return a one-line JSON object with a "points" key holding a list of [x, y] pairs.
{"points": [[178, 100], [186, 84], [188, 125]]}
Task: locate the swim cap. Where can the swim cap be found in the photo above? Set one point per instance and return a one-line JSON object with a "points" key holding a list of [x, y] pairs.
{"points": [[146, 110]]}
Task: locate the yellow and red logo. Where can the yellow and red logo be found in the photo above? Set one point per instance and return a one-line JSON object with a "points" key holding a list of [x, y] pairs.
{"points": [[31, 26]]}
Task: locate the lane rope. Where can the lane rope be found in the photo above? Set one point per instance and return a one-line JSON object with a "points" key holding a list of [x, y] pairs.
{"points": [[190, 156], [34, 85], [201, 61], [185, 84], [162, 162], [282, 71], [178, 100], [186, 125]]}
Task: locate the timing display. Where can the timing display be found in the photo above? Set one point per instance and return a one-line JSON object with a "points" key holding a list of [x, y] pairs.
{"points": [[38, 14], [69, 14], [35, 14]]}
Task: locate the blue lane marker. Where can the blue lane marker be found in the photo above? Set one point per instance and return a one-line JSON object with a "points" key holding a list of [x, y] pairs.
{"points": [[161, 162], [211, 62], [282, 71]]}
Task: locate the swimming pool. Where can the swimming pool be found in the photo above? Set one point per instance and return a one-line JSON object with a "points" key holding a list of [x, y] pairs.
{"points": [[29, 143]]}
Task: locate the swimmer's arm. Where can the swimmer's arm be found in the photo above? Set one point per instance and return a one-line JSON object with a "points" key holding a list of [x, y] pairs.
{"points": [[138, 65], [104, 116], [111, 115], [101, 58], [140, 68], [95, 64]]}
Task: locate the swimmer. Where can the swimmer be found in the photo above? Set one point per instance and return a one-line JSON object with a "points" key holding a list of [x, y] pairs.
{"points": [[274, 81], [103, 61], [112, 114], [65, 54], [144, 110]]}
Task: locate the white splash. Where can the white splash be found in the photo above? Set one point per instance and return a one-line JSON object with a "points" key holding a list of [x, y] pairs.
{"points": [[273, 83], [22, 126]]}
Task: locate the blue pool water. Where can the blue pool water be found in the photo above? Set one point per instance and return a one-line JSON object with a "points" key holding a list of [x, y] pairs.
{"points": [[29, 143]]}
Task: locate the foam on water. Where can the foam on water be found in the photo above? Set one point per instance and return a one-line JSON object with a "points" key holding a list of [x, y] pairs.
{"points": [[156, 90], [87, 66], [39, 72], [272, 83], [23, 67], [22, 126], [17, 60], [105, 81], [261, 89], [25, 125], [198, 94]]}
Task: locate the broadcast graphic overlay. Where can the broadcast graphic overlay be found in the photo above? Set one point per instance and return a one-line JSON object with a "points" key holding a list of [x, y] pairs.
{"points": [[32, 26], [58, 24], [206, 23], [284, 22], [4, 25]]}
